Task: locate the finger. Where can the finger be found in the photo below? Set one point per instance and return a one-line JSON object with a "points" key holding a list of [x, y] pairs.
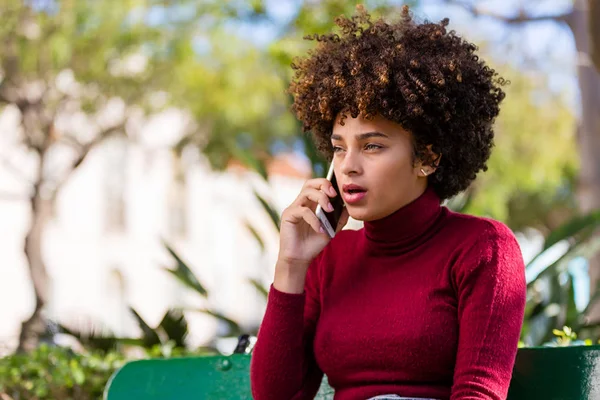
{"points": [[299, 214], [321, 184], [311, 197], [310, 218], [343, 219]]}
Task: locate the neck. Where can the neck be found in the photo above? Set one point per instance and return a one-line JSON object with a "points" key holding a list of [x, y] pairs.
{"points": [[406, 227]]}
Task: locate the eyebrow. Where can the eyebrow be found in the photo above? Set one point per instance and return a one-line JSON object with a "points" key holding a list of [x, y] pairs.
{"points": [[362, 136]]}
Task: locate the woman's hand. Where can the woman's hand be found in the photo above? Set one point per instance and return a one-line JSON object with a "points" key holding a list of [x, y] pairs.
{"points": [[301, 236]]}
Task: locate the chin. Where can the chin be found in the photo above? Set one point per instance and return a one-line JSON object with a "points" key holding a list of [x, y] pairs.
{"points": [[360, 213]]}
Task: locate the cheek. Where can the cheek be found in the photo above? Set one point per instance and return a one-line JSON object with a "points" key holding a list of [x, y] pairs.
{"points": [[395, 172]]}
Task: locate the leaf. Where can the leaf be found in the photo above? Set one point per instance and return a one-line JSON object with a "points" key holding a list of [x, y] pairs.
{"points": [[234, 328], [270, 210], [175, 326], [92, 336], [572, 228], [183, 273], [586, 246], [130, 341], [258, 286], [149, 336], [254, 233]]}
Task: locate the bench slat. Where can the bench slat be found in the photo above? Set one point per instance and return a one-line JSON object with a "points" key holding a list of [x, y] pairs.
{"points": [[567, 373]]}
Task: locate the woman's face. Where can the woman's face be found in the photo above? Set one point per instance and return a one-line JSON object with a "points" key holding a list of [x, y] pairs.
{"points": [[376, 156]]}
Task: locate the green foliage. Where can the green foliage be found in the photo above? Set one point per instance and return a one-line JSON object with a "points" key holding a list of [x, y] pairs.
{"points": [[95, 41], [551, 295], [183, 273], [51, 373], [166, 339], [273, 214], [185, 276], [168, 336], [534, 160], [564, 336]]}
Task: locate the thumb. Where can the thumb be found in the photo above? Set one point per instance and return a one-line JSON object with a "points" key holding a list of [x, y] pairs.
{"points": [[343, 219]]}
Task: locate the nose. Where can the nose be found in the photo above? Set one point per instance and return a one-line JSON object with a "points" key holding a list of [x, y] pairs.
{"points": [[349, 163]]}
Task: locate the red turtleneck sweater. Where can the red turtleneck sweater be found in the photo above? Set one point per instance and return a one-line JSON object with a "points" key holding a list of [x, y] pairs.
{"points": [[422, 303]]}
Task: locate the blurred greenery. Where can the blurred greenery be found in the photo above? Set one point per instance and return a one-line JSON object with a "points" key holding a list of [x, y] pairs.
{"points": [[170, 334], [109, 64], [50, 373], [550, 293], [534, 161], [55, 372]]}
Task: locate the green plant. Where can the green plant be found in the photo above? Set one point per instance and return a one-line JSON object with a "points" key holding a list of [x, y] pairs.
{"points": [[53, 372], [551, 294], [318, 164], [186, 277], [166, 339], [50, 373], [564, 336]]}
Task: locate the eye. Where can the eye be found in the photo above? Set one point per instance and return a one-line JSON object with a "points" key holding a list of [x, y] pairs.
{"points": [[337, 149], [372, 146]]}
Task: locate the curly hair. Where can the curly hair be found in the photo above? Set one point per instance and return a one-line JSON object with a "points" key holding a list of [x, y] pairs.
{"points": [[420, 75]]}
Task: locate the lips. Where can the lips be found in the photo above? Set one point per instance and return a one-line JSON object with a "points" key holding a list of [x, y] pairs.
{"points": [[352, 193]]}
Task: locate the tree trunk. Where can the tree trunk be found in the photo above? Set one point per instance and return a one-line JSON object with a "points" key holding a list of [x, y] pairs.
{"points": [[594, 27], [34, 327], [588, 131]]}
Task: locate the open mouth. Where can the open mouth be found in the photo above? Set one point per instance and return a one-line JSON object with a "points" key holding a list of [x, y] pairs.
{"points": [[353, 194]]}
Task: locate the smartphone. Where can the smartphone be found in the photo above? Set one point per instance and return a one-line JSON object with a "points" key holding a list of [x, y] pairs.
{"points": [[329, 220]]}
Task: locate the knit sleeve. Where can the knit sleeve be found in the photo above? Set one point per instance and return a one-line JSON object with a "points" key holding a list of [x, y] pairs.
{"points": [[490, 283], [283, 364]]}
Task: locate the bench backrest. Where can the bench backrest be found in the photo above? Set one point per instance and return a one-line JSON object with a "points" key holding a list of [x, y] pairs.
{"points": [[567, 373]]}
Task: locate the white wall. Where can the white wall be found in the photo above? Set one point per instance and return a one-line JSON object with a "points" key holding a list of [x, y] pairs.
{"points": [[85, 259]]}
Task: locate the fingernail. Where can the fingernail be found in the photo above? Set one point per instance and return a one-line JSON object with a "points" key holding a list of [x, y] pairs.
{"points": [[330, 207], [321, 230], [332, 190]]}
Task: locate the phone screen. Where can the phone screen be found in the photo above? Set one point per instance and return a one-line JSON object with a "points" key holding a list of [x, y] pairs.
{"points": [[338, 205]]}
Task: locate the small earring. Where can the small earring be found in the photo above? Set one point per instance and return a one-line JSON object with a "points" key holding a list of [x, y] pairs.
{"points": [[423, 171]]}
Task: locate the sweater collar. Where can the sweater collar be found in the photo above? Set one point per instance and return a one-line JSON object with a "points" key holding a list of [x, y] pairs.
{"points": [[408, 226]]}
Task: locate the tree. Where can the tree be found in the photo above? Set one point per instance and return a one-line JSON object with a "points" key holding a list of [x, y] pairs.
{"points": [[75, 73], [249, 109], [581, 21], [533, 158]]}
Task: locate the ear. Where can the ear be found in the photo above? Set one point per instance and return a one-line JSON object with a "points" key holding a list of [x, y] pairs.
{"points": [[427, 168]]}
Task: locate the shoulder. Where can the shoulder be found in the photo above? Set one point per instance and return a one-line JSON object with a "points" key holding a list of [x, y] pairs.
{"points": [[479, 231], [483, 243]]}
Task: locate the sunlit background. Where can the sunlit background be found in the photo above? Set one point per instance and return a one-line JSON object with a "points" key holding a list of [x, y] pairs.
{"points": [[147, 151]]}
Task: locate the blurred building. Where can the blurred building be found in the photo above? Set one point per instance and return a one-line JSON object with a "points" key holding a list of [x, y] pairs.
{"points": [[103, 247]]}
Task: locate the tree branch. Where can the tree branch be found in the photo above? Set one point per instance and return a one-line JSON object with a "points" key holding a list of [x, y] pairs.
{"points": [[520, 18], [85, 149]]}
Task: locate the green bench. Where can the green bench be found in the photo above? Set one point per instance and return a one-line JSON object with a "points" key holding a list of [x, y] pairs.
{"points": [[562, 373]]}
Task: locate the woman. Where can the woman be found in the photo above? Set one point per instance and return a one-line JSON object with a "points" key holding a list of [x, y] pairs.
{"points": [[422, 302]]}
